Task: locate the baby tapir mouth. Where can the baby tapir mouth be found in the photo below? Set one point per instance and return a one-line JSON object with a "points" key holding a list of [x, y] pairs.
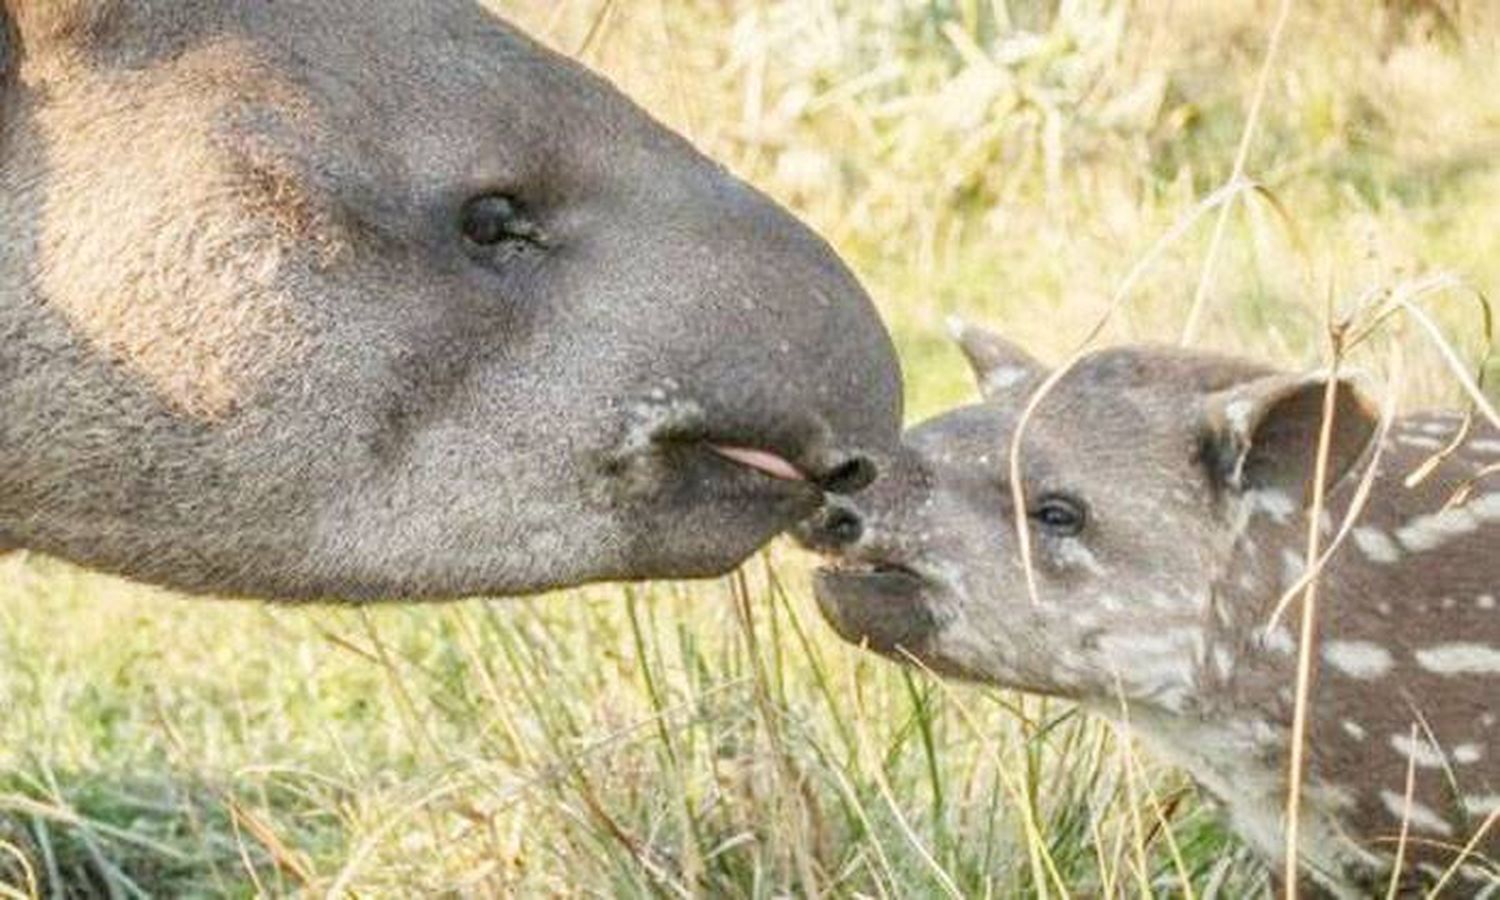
{"points": [[878, 604]]}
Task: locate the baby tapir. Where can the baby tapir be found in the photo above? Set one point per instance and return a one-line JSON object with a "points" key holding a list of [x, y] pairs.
{"points": [[1167, 495]]}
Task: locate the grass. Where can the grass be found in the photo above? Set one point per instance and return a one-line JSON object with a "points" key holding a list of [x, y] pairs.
{"points": [[1007, 161]]}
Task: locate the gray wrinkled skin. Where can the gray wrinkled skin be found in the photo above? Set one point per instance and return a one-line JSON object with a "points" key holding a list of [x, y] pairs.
{"points": [[246, 348], [1194, 473]]}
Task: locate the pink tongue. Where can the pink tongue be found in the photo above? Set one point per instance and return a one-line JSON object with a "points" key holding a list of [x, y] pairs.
{"points": [[761, 461]]}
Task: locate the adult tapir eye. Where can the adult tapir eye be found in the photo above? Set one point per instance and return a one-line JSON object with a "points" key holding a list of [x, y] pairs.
{"points": [[1060, 515], [492, 219]]}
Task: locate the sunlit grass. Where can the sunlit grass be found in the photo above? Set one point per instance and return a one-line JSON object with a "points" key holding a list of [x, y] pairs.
{"points": [[1010, 162]]}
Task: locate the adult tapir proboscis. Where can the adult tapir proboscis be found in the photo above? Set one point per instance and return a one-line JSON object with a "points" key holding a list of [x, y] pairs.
{"points": [[369, 298]]}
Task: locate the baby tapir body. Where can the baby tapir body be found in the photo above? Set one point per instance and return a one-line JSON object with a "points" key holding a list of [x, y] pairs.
{"points": [[1167, 500]]}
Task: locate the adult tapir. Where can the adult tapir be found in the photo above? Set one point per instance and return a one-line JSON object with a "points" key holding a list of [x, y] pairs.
{"points": [[371, 298]]}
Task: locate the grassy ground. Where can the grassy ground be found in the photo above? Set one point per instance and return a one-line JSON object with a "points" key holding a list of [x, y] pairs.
{"points": [[1008, 161]]}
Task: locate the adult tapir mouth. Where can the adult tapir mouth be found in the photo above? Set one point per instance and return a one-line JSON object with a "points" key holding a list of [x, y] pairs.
{"points": [[794, 456], [767, 462]]}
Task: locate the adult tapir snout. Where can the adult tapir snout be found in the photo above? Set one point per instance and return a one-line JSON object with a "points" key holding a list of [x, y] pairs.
{"points": [[761, 326], [326, 299]]}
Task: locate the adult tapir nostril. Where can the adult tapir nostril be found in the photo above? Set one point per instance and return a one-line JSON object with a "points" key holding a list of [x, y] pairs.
{"points": [[850, 475]]}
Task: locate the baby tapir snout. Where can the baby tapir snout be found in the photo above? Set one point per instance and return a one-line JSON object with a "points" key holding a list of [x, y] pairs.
{"points": [[871, 517], [871, 590], [838, 526]]}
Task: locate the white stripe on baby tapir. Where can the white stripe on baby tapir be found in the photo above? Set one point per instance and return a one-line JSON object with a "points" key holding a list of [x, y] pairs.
{"points": [[1468, 754], [1460, 658], [1432, 531], [1000, 380], [1480, 805], [1418, 815], [1485, 601], [1073, 553], [1424, 755], [1358, 659], [1354, 729], [1484, 446], [1376, 545], [1223, 661], [1160, 665], [1276, 504], [1292, 567], [1421, 442], [1279, 640]]}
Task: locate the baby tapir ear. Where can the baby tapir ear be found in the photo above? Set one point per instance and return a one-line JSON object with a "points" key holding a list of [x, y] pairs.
{"points": [[1264, 434], [1001, 368]]}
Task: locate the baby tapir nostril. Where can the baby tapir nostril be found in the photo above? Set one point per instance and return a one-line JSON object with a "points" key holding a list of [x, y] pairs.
{"points": [[842, 527], [834, 528], [848, 477]]}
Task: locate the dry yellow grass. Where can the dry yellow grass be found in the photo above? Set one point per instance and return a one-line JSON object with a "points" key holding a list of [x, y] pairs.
{"points": [[1010, 161]]}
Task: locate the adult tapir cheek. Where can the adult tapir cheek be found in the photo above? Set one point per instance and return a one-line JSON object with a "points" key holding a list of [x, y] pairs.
{"points": [[184, 293]]}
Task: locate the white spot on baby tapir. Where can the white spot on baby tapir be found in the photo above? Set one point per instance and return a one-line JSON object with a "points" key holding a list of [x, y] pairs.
{"points": [[1485, 601], [1238, 414], [1432, 531], [1279, 641], [1448, 603], [1383, 608], [1354, 729], [1223, 661], [1159, 665], [1419, 442], [1435, 428], [1418, 815], [1468, 754], [1358, 659], [1481, 805], [1003, 379], [1292, 567], [1170, 601], [1074, 554], [1484, 446], [1420, 752], [1460, 658], [1487, 720], [1275, 504], [1264, 734], [1376, 545]]}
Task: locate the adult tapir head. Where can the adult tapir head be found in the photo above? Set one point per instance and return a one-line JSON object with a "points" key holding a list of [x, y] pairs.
{"points": [[363, 298]]}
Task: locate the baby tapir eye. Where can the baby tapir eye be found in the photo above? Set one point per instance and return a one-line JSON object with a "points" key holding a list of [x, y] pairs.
{"points": [[492, 219], [1060, 515]]}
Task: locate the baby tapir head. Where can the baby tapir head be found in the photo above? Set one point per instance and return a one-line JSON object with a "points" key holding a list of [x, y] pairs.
{"points": [[1138, 468]]}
